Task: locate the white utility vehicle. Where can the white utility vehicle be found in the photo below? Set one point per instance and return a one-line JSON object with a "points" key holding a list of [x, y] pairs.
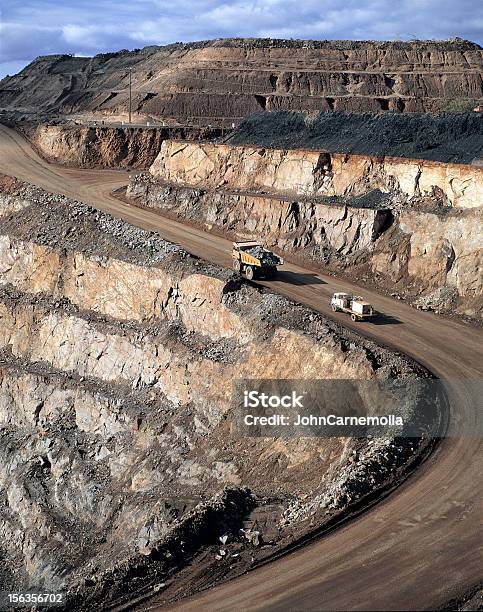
{"points": [[353, 305]]}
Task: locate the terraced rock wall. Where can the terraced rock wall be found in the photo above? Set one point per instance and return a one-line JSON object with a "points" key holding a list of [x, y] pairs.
{"points": [[118, 453], [410, 227], [224, 80]]}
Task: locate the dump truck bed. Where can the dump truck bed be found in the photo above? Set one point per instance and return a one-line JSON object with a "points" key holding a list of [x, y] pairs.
{"points": [[250, 256]]}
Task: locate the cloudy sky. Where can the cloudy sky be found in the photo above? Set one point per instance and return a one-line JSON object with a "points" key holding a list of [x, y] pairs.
{"points": [[29, 28]]}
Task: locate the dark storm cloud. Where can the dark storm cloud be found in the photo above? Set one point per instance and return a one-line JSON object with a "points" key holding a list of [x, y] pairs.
{"points": [[37, 27]]}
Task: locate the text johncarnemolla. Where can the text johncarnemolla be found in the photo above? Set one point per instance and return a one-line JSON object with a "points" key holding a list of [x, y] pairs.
{"points": [[254, 399]]}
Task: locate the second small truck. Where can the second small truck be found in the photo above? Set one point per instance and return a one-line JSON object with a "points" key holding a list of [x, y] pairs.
{"points": [[252, 260], [353, 305]]}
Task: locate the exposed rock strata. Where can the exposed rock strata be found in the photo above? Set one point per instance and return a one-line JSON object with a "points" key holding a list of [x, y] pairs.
{"points": [[412, 227], [291, 225], [115, 420], [299, 172], [105, 147], [227, 79]]}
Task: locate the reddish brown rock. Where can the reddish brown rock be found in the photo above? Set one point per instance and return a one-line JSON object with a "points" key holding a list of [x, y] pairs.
{"points": [[226, 79]]}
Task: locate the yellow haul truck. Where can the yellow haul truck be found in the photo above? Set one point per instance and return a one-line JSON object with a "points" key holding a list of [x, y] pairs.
{"points": [[253, 259]]}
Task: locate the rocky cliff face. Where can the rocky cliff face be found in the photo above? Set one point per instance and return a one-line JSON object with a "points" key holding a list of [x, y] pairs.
{"points": [[105, 147], [118, 454], [312, 173], [227, 79], [290, 224], [411, 226]]}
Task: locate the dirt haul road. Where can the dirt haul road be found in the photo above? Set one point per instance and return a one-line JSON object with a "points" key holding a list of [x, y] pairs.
{"points": [[416, 549]]}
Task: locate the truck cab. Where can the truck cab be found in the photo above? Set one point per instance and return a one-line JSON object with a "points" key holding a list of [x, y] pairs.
{"points": [[340, 301]]}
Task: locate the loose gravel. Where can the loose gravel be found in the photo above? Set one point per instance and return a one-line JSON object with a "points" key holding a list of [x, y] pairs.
{"points": [[456, 138]]}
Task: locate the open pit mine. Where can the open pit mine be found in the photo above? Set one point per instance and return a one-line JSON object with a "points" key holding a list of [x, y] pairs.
{"points": [[223, 80], [118, 350], [124, 482]]}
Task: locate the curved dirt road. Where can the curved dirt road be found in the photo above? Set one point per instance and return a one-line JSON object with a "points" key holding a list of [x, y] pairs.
{"points": [[416, 549]]}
